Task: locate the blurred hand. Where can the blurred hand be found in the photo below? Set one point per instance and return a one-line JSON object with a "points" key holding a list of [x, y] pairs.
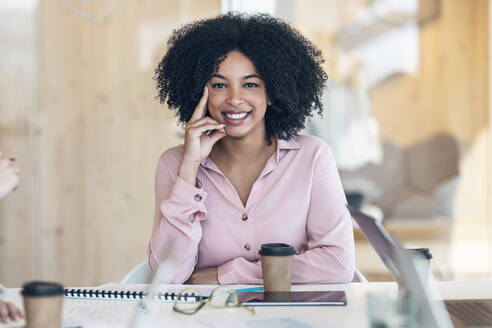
{"points": [[9, 175], [9, 311], [204, 276]]}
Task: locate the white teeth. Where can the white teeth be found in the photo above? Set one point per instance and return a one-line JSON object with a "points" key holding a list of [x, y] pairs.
{"points": [[236, 116]]}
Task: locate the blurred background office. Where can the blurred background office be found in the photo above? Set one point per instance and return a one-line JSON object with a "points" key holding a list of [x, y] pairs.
{"points": [[406, 114]]}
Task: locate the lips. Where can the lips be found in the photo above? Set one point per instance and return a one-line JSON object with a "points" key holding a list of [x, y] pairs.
{"points": [[235, 117]]}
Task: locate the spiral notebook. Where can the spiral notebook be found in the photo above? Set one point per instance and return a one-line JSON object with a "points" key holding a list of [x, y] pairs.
{"points": [[116, 305], [120, 293]]}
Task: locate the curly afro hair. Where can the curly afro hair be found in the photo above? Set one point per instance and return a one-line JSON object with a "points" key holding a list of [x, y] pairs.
{"points": [[288, 63]]}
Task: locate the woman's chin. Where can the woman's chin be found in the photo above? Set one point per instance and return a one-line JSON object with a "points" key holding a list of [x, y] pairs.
{"points": [[235, 134]]}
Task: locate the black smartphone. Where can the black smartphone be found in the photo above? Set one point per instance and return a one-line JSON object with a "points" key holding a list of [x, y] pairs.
{"points": [[299, 298], [209, 132]]}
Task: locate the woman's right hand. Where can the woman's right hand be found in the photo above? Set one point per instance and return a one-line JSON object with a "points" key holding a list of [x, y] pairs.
{"points": [[198, 144]]}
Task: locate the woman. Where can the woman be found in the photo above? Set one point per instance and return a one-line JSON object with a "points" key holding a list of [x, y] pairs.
{"points": [[244, 86]]}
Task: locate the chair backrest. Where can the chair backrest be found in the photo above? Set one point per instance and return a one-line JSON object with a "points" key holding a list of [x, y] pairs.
{"points": [[358, 276], [141, 274]]}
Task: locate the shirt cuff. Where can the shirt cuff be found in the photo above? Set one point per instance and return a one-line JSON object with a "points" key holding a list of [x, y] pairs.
{"points": [[182, 193], [226, 274], [3, 292]]}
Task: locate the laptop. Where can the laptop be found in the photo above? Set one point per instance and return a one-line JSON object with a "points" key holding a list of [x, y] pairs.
{"points": [[407, 270]]}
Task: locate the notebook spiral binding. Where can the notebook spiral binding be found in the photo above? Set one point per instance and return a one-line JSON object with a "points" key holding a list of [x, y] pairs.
{"points": [[127, 295]]}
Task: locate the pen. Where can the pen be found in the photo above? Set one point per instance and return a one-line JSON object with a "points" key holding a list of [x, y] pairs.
{"points": [[253, 289]]}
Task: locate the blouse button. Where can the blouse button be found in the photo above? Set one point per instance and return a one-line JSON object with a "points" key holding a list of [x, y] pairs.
{"points": [[244, 217], [198, 197], [247, 246]]}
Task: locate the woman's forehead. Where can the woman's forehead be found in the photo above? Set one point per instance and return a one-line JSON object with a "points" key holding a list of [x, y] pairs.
{"points": [[236, 64]]}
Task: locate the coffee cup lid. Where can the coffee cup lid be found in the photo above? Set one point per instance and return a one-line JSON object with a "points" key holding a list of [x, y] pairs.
{"points": [[42, 288], [277, 249]]}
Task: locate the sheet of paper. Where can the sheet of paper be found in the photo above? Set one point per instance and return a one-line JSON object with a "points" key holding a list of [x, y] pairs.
{"points": [[255, 322], [95, 313]]}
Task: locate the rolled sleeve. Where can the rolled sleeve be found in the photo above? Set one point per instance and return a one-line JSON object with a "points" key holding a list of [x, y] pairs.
{"points": [[226, 274], [240, 270], [330, 254]]}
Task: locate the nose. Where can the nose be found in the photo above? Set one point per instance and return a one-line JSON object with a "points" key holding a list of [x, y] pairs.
{"points": [[234, 98]]}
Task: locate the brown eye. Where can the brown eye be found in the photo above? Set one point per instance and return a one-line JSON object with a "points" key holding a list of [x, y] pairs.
{"points": [[251, 85]]}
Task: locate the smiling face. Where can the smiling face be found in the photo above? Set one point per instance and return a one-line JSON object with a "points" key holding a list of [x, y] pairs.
{"points": [[237, 97]]}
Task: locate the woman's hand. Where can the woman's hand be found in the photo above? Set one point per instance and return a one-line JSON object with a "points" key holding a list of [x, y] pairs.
{"points": [[198, 143], [9, 175], [9, 311], [205, 276]]}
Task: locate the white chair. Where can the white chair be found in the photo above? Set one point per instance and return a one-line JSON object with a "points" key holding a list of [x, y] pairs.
{"points": [[141, 274], [358, 276]]}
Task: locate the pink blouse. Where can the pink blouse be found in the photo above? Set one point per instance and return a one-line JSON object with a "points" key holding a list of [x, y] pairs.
{"points": [[298, 199]]}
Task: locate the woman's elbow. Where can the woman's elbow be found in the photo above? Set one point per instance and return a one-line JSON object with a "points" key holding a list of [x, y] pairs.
{"points": [[347, 269], [347, 274]]}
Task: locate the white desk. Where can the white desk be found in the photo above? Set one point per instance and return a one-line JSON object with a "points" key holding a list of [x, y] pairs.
{"points": [[352, 315]]}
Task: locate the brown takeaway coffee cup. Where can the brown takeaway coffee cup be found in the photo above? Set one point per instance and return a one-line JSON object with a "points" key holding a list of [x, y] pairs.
{"points": [[43, 304], [276, 264]]}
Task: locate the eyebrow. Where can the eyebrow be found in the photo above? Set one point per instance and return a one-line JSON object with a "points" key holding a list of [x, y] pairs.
{"points": [[245, 77]]}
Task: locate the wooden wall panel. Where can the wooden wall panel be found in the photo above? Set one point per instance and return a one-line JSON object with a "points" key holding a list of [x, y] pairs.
{"points": [[102, 132], [17, 124]]}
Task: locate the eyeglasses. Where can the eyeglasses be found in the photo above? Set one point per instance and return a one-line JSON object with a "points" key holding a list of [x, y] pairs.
{"points": [[220, 298]]}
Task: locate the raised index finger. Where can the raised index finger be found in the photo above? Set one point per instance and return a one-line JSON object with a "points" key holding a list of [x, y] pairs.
{"points": [[201, 108]]}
